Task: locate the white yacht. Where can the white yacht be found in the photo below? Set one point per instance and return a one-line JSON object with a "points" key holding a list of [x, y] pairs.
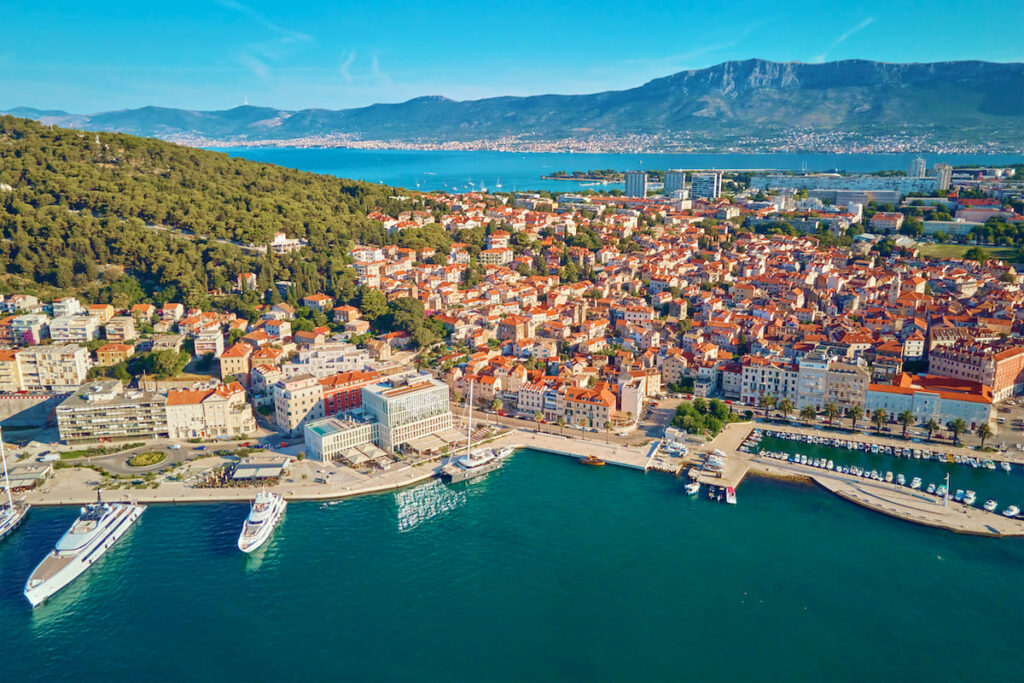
{"points": [[970, 497], [13, 514], [473, 463], [97, 528], [692, 488], [990, 505], [1006, 466], [1011, 511], [916, 483], [264, 515]]}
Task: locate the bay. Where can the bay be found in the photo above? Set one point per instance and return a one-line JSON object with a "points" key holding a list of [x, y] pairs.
{"points": [[543, 570], [514, 171]]}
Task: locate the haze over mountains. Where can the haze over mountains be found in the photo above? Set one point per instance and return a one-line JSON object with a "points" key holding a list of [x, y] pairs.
{"points": [[954, 101]]}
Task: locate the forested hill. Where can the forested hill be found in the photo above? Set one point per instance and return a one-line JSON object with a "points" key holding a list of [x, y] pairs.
{"points": [[104, 214]]}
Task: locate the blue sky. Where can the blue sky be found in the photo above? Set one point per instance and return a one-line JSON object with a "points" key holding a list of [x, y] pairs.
{"points": [[216, 54]]}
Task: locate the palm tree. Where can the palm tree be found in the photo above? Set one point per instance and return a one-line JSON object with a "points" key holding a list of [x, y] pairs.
{"points": [[607, 431], [879, 418], [906, 419], [855, 413], [808, 413], [958, 427], [766, 401], [831, 412], [786, 407], [497, 405], [538, 417], [561, 425], [983, 431]]}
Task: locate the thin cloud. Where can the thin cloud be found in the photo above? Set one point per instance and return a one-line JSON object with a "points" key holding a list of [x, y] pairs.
{"points": [[345, 68], [842, 38], [285, 33]]}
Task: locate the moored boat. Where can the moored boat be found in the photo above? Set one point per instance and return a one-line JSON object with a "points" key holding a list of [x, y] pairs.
{"points": [[1011, 511], [692, 488], [97, 528], [990, 505], [915, 483], [730, 495], [970, 497], [11, 515], [264, 515], [592, 460]]}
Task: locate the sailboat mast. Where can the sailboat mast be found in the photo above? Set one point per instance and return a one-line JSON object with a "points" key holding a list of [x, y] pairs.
{"points": [[7, 480], [469, 432]]}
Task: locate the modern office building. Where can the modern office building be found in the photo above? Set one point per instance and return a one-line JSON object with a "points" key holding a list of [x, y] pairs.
{"points": [[706, 185], [408, 407], [636, 183], [341, 436]]}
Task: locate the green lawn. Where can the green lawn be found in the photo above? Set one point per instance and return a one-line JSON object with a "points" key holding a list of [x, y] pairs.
{"points": [[957, 251]]}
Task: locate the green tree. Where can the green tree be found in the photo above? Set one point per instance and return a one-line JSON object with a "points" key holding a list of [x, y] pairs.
{"points": [[538, 417], [832, 412], [957, 427], [766, 402], [907, 419], [808, 413], [879, 418], [855, 413], [932, 426], [561, 425], [373, 304], [785, 407], [983, 432]]}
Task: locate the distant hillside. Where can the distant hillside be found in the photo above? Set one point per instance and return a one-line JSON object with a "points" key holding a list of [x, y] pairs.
{"points": [[82, 205], [949, 100]]}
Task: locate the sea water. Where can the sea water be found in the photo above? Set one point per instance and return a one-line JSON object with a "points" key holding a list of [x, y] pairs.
{"points": [[543, 570], [466, 171]]}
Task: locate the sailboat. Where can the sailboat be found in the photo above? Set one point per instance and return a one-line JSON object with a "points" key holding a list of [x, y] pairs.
{"points": [[472, 464], [12, 515]]}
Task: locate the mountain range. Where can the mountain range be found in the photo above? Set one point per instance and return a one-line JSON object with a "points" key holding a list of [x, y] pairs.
{"points": [[953, 101]]}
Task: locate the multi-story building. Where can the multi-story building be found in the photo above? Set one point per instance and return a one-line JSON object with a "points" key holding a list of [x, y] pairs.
{"points": [[60, 367], [589, 407], [296, 401], [812, 379], [75, 328], [209, 343], [928, 397], [234, 362], [328, 359], [10, 376], [767, 377], [408, 407], [206, 413], [343, 392], [112, 354], [636, 183], [847, 383], [706, 185], [68, 305], [943, 175], [121, 328], [917, 168], [30, 328], [107, 411], [675, 181], [1002, 370]]}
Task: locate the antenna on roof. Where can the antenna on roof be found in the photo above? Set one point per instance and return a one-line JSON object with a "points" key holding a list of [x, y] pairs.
{"points": [[245, 101]]}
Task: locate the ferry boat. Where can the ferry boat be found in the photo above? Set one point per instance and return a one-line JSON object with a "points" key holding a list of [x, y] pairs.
{"points": [[970, 497], [730, 495], [1011, 511], [692, 488], [13, 514], [990, 505], [915, 483], [97, 528], [592, 460], [264, 515]]}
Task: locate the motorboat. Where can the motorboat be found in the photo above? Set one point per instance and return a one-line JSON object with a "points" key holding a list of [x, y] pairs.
{"points": [[730, 495], [98, 527], [1011, 511], [888, 477], [990, 505], [931, 488], [592, 460], [265, 514], [1006, 466], [692, 488], [941, 491], [970, 497], [915, 483], [901, 480], [958, 497]]}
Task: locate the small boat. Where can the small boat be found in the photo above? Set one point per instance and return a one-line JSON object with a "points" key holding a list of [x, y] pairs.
{"points": [[692, 488], [931, 488], [592, 460], [941, 491], [901, 480], [1006, 466], [970, 497], [958, 497], [915, 483], [1011, 511], [888, 477], [730, 495], [990, 464], [990, 505]]}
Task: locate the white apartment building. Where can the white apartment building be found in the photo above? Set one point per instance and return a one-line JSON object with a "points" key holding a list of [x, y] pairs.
{"points": [[769, 377], [209, 342], [75, 328], [68, 305], [206, 413], [636, 183], [706, 185], [107, 411], [296, 401], [328, 359], [61, 367]]}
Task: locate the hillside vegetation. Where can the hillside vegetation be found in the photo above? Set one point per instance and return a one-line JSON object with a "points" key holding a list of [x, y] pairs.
{"points": [[111, 216]]}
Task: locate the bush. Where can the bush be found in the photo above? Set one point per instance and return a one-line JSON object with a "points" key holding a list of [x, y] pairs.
{"points": [[146, 458]]}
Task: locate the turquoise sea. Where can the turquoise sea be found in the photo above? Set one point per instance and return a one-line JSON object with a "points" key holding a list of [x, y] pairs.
{"points": [[544, 570], [465, 171]]}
